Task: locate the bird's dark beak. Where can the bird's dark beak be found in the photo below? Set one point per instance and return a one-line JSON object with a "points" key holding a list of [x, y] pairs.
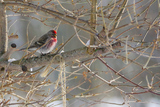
{"points": [[54, 36]]}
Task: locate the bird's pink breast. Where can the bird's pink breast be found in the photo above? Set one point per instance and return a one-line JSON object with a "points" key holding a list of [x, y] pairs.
{"points": [[52, 43]]}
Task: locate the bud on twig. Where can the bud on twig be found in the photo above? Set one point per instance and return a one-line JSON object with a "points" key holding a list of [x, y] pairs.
{"points": [[6, 55]]}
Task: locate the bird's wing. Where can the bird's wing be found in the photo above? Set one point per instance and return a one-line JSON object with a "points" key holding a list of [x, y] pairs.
{"points": [[41, 41]]}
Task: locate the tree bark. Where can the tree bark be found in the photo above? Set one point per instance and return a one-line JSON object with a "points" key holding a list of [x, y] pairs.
{"points": [[3, 29]]}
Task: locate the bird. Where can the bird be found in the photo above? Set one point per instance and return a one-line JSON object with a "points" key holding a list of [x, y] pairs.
{"points": [[102, 36], [45, 44]]}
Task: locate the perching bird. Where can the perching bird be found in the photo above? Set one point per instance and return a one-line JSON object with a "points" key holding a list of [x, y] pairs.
{"points": [[102, 36], [45, 43]]}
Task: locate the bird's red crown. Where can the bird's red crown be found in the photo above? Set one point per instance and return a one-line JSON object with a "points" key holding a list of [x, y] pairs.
{"points": [[54, 32]]}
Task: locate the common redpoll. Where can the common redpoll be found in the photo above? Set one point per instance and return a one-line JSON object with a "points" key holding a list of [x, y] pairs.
{"points": [[102, 36], [45, 43]]}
